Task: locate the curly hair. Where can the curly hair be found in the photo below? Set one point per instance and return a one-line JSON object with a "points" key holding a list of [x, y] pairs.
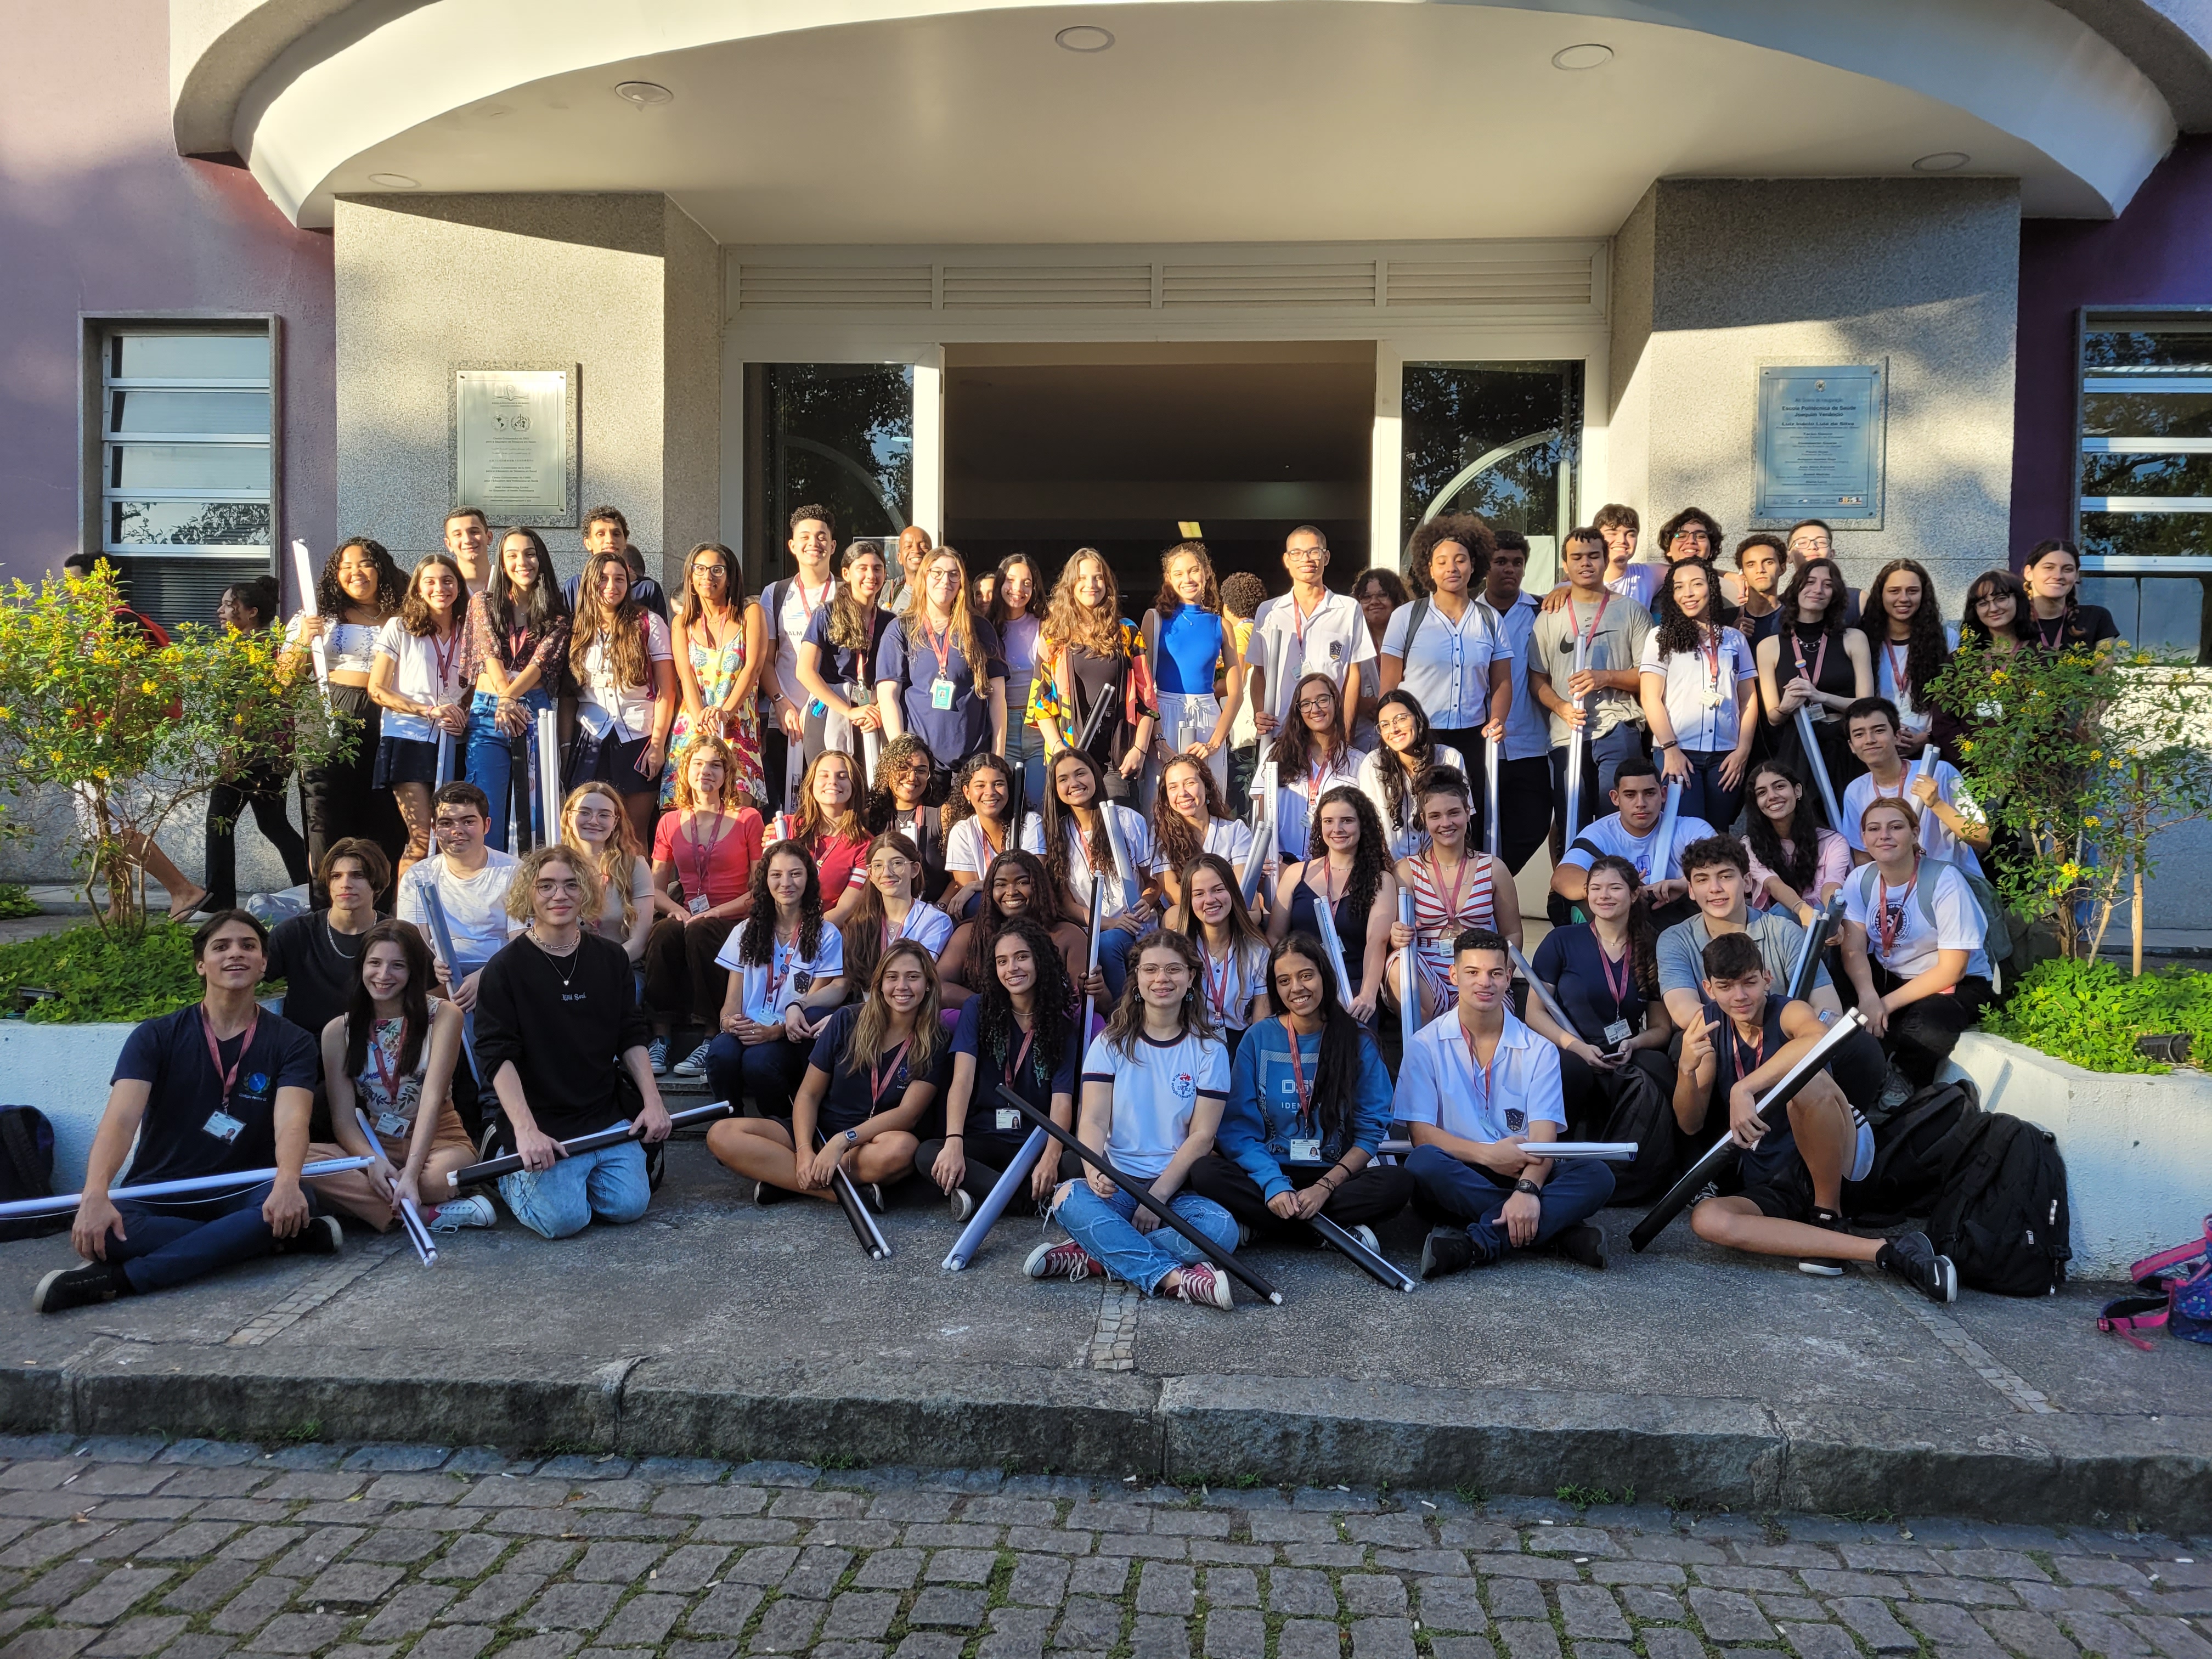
{"points": [[958, 809], [1673, 528], [522, 890], [1392, 584], [1053, 1004], [1069, 622], [1397, 795], [1167, 601], [1343, 1039], [1798, 865], [1643, 932], [1124, 1028], [864, 1042], [757, 936], [333, 601], [898, 757], [415, 613], [1371, 858], [1293, 745], [989, 918], [1926, 650], [1173, 835], [1679, 631], [1469, 532]]}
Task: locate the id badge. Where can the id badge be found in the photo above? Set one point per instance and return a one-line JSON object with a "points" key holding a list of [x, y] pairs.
{"points": [[1617, 1033], [392, 1126], [222, 1125], [1305, 1151], [1008, 1119], [940, 693], [698, 905]]}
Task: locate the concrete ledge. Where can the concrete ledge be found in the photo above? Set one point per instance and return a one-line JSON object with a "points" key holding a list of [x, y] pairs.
{"points": [[63, 1071], [2136, 1147]]}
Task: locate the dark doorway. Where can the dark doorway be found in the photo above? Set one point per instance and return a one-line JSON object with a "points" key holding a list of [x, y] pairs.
{"points": [[1050, 448]]}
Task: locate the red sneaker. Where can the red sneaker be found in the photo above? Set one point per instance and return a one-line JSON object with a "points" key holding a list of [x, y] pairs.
{"points": [[1205, 1286], [1068, 1261]]}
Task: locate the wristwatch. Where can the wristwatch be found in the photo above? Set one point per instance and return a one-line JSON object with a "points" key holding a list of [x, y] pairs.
{"points": [[852, 1136], [1525, 1185]]}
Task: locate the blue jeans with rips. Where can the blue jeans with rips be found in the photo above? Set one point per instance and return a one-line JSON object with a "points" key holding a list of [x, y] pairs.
{"points": [[1103, 1226]]}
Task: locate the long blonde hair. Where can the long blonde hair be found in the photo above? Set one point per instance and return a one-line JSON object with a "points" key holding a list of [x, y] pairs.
{"points": [[864, 1043], [1068, 621], [962, 627], [733, 792], [619, 859]]}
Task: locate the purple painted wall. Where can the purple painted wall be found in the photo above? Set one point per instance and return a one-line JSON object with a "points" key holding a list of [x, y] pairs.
{"points": [[99, 214], [2157, 251]]}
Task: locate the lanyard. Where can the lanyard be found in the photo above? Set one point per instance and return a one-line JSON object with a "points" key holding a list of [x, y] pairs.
{"points": [[807, 602], [1710, 644], [443, 655], [1619, 990], [1315, 774], [1217, 985], [2044, 640], [983, 829], [1584, 635], [384, 1061], [878, 1078], [1298, 1075], [940, 645], [703, 856], [1436, 881], [1014, 1065], [229, 1078], [1887, 929], [1757, 1052], [1810, 677], [1897, 680]]}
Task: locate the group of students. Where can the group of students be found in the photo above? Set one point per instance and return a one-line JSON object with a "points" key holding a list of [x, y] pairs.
{"points": [[903, 935]]}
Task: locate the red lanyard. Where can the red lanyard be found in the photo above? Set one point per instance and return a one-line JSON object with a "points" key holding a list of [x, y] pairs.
{"points": [[1618, 990], [1315, 776], [1481, 1073], [1014, 1065], [1758, 1053], [384, 1064], [1885, 928], [1710, 644], [983, 829], [443, 656], [878, 1078], [2044, 640], [703, 857], [229, 1078], [940, 644], [1298, 1074], [810, 605], [1810, 677], [1584, 635], [1436, 881], [1328, 882], [1217, 985], [1897, 680]]}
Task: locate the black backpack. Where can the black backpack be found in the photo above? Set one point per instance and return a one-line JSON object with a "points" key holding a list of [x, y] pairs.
{"points": [[1915, 1147], [27, 1170], [2002, 1217], [1638, 1110]]}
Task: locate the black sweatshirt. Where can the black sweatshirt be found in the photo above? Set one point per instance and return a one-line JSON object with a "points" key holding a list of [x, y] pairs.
{"points": [[566, 1039]]}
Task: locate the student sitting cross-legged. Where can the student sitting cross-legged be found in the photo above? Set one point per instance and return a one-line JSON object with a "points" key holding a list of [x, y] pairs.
{"points": [[1309, 1104], [875, 1068], [557, 1024], [216, 1087], [786, 965], [1018, 1030], [390, 1056], [1785, 1194], [1475, 1086], [1153, 1084]]}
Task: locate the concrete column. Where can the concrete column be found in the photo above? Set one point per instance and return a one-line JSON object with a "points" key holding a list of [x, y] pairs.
{"points": [[627, 286], [1712, 276]]}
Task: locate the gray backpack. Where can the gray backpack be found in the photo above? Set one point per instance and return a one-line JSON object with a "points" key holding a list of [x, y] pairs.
{"points": [[1997, 927]]}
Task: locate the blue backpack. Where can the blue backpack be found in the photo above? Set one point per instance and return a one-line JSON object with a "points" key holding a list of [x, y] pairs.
{"points": [[2176, 1288]]}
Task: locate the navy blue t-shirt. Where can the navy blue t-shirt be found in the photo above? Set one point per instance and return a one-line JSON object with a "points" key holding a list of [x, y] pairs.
{"points": [[964, 729], [1572, 963], [170, 1053], [848, 1103], [1032, 1082], [843, 665]]}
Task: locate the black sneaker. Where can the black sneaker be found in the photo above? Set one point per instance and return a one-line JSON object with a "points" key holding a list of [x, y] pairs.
{"points": [[1446, 1250], [766, 1193], [1821, 1266], [872, 1191], [322, 1235], [1582, 1243], [79, 1287], [1911, 1257]]}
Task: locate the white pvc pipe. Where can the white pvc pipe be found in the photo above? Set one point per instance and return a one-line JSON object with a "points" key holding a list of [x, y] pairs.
{"points": [[238, 1180]]}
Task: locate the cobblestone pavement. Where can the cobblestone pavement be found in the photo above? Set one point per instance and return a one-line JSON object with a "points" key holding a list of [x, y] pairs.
{"points": [[124, 1549]]}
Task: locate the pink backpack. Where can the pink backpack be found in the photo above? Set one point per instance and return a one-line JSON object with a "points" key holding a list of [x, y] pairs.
{"points": [[2175, 1290]]}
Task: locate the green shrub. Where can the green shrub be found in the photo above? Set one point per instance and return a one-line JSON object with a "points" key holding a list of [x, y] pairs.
{"points": [[95, 975], [2092, 1013], [15, 901]]}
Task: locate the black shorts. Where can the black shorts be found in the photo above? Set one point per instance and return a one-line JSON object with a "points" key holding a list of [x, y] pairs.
{"points": [[1785, 1193], [404, 760], [615, 765]]}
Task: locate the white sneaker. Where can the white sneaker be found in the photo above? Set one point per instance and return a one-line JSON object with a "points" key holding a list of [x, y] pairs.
{"points": [[964, 1204], [693, 1064], [1365, 1234], [455, 1214], [656, 1052]]}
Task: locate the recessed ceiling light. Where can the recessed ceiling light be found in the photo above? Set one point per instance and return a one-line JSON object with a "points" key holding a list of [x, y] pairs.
{"points": [[493, 111], [395, 181], [1588, 56], [1944, 160], [1084, 37], [642, 92]]}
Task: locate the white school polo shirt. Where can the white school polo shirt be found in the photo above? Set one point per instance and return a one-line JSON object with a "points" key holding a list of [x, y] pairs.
{"points": [[1332, 641], [1438, 1084], [1156, 1091], [1447, 662]]}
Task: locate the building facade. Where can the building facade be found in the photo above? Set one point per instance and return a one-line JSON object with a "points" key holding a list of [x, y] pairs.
{"points": [[1042, 276]]}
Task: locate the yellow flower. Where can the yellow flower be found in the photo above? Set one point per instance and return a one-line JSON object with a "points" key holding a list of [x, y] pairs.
{"points": [[2092, 822], [2096, 754], [2113, 765], [146, 686], [1966, 745], [1996, 676], [2069, 870]]}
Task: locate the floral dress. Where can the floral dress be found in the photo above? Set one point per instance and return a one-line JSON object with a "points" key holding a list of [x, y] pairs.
{"points": [[716, 671]]}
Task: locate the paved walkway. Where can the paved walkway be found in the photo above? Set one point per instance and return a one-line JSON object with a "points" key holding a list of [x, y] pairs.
{"points": [[123, 1549]]}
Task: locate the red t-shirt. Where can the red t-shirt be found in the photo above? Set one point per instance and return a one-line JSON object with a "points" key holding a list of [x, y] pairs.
{"points": [[839, 862], [724, 849]]}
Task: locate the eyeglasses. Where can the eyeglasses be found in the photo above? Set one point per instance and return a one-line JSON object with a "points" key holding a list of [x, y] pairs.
{"points": [[1316, 706], [1981, 600], [552, 889]]}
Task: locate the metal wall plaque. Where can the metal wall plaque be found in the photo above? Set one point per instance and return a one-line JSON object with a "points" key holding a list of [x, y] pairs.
{"points": [[514, 444], [1817, 444]]}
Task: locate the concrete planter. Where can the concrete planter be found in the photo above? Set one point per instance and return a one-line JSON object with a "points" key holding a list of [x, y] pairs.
{"points": [[2138, 1149], [63, 1071]]}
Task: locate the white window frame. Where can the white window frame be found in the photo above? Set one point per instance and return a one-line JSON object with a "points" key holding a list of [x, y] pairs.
{"points": [[99, 331], [2097, 319]]}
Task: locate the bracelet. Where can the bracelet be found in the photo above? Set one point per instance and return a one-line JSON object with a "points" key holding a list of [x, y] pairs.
{"points": [[955, 1134]]}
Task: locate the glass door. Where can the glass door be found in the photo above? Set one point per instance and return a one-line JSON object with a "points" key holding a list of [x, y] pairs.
{"points": [[838, 434], [1498, 440]]}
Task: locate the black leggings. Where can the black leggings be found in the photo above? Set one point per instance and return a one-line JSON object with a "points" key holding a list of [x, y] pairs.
{"points": [[987, 1158], [1922, 1033], [265, 791], [340, 799], [1375, 1194]]}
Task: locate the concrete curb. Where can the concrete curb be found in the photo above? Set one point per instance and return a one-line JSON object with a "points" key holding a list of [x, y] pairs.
{"points": [[1683, 1452]]}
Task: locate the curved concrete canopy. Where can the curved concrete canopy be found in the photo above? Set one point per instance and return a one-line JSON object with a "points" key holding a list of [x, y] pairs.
{"points": [[873, 120]]}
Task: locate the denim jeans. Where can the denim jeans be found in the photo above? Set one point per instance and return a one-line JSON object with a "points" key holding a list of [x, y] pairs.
{"points": [[1703, 796], [1025, 754], [494, 760], [1601, 759], [167, 1246], [607, 1185], [1115, 946], [1451, 1192], [766, 1074], [1101, 1226]]}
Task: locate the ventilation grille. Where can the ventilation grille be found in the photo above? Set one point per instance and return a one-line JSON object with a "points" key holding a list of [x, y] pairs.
{"points": [[1523, 281]]}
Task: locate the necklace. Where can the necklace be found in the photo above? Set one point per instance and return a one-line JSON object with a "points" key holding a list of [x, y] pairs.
{"points": [[331, 935], [573, 955]]}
